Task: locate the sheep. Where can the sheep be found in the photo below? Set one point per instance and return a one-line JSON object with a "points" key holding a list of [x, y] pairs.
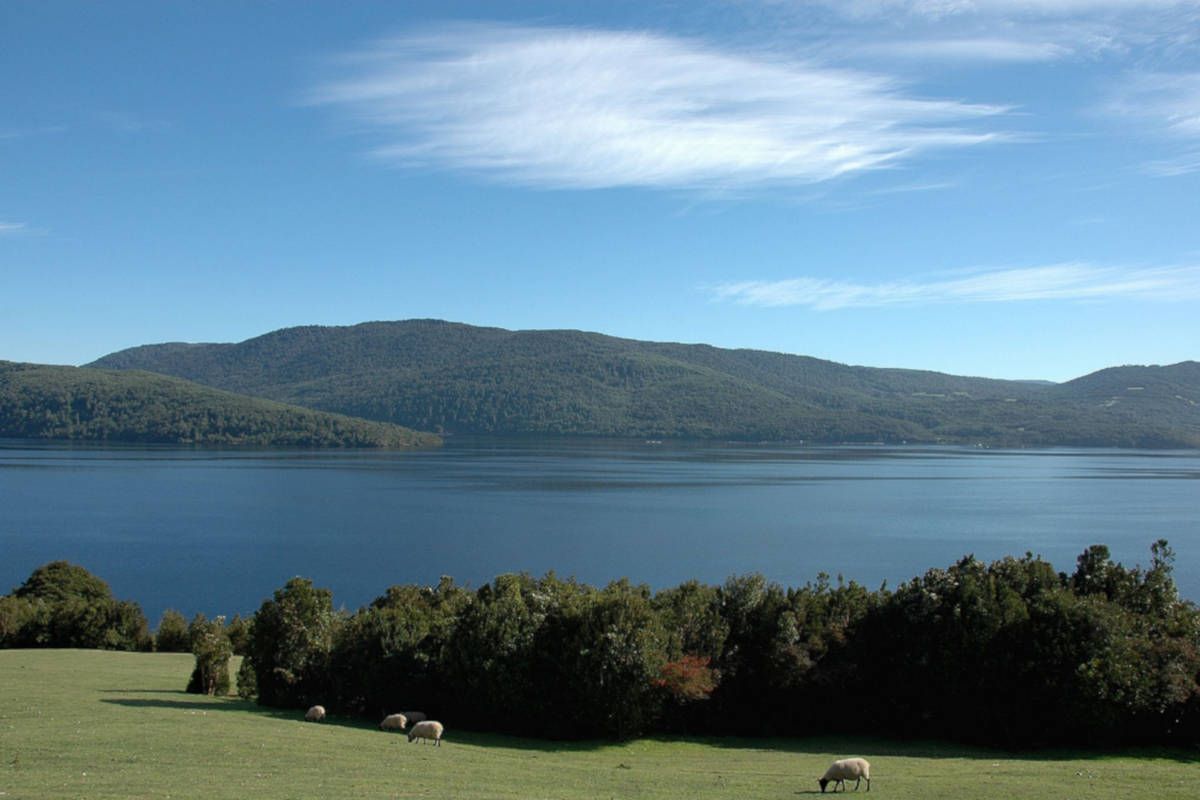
{"points": [[394, 722], [315, 714], [427, 730], [846, 769], [415, 716]]}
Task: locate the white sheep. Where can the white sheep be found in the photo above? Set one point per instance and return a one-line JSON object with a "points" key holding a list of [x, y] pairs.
{"points": [[415, 716], [394, 722], [315, 714], [427, 730], [846, 769]]}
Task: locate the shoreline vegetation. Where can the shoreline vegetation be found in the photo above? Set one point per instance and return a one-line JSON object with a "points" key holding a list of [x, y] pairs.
{"points": [[94, 405], [1011, 654]]}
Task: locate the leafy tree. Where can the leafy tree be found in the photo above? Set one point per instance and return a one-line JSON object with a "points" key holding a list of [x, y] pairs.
{"points": [[212, 648], [247, 680], [238, 630], [64, 605], [172, 635], [18, 621], [388, 656], [290, 649], [688, 679], [490, 656], [61, 581], [596, 660]]}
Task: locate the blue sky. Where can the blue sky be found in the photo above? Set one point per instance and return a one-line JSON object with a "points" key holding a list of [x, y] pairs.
{"points": [[1008, 188]]}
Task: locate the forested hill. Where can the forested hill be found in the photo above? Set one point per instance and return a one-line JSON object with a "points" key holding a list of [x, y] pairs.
{"points": [[435, 375], [49, 402]]}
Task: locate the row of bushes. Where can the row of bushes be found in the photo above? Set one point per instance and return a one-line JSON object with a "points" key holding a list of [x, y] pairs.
{"points": [[63, 605], [1010, 653]]}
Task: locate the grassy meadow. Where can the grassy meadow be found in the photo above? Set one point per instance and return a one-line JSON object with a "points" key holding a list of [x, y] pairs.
{"points": [[88, 724]]}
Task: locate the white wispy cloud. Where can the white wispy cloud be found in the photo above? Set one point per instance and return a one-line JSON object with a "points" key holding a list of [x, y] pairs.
{"points": [[1167, 104], [1016, 31], [1070, 281], [973, 48], [129, 122], [577, 108], [1183, 164], [906, 188], [10, 228], [1043, 8], [1169, 101]]}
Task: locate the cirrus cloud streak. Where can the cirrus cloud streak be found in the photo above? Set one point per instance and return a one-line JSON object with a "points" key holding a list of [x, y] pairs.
{"points": [[1071, 281], [573, 108]]}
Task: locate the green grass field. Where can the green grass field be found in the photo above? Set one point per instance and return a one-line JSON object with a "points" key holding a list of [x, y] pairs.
{"points": [[86, 724]]}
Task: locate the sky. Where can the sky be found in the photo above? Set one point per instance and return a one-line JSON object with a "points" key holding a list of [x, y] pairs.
{"points": [[1004, 188]]}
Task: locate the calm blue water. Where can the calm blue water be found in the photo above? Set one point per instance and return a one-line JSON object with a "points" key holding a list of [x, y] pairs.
{"points": [[218, 531]]}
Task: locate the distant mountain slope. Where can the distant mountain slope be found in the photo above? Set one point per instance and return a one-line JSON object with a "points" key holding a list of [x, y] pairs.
{"points": [[49, 402], [436, 375]]}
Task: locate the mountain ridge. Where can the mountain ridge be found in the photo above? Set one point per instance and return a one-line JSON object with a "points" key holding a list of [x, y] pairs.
{"points": [[458, 378]]}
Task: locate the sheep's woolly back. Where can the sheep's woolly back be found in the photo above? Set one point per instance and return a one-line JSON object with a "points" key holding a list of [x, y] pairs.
{"points": [[415, 716], [426, 730], [848, 769], [393, 722], [315, 714]]}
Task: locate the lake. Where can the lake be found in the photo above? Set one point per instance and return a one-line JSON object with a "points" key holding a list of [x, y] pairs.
{"points": [[218, 530]]}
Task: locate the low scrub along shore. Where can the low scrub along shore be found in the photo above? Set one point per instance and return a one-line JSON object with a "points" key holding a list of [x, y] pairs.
{"points": [[94, 724]]}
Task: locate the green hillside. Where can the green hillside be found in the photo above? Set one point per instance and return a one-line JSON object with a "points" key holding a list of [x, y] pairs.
{"points": [[79, 723], [73, 403], [435, 375]]}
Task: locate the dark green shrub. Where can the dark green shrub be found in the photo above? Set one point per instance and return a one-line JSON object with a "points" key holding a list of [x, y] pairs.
{"points": [[172, 635], [212, 649], [64, 605], [238, 631], [247, 681], [289, 651]]}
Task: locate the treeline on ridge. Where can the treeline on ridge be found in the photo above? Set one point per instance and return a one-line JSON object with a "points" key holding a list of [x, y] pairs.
{"points": [[71, 403], [441, 376], [1010, 653]]}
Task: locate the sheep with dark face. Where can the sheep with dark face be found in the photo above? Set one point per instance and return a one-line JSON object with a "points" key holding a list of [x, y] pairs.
{"points": [[315, 714], [847, 769], [429, 729]]}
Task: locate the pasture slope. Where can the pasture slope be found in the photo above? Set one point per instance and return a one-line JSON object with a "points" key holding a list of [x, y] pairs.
{"points": [[93, 724]]}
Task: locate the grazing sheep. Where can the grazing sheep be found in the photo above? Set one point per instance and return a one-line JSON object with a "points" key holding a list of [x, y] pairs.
{"points": [[393, 722], [845, 769], [315, 714], [415, 716], [427, 730]]}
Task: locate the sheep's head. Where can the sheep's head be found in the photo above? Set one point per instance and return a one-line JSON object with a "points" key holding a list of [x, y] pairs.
{"points": [[823, 782]]}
